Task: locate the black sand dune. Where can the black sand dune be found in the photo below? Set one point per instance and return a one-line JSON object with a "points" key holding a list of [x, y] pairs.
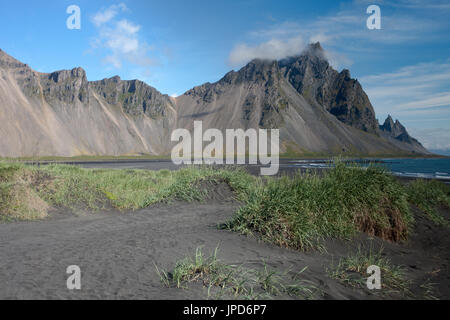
{"points": [[117, 252]]}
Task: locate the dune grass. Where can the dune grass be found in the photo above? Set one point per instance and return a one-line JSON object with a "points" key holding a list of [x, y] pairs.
{"points": [[302, 211], [135, 189], [297, 212], [19, 200], [235, 281], [427, 196], [93, 189], [352, 271]]}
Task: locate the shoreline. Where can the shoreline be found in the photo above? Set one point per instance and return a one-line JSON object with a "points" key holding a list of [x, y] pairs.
{"points": [[288, 166], [103, 158]]}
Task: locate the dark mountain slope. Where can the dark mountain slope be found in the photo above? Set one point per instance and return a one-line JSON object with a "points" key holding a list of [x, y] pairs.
{"points": [[316, 108]]}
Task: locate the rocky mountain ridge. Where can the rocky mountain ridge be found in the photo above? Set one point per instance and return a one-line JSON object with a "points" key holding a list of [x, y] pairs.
{"points": [[316, 108]]}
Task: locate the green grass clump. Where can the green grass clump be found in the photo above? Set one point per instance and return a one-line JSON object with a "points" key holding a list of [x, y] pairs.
{"points": [[93, 189], [231, 281], [7, 172], [135, 189], [427, 196], [199, 267], [352, 271], [5, 198], [300, 212], [18, 199]]}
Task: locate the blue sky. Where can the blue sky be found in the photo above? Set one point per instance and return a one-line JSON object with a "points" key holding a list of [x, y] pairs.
{"points": [[175, 45]]}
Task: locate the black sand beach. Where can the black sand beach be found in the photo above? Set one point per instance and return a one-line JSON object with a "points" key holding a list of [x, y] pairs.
{"points": [[117, 252]]}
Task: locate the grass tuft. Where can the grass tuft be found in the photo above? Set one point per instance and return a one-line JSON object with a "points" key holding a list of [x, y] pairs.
{"points": [[352, 271], [427, 196], [19, 199], [231, 281], [300, 212]]}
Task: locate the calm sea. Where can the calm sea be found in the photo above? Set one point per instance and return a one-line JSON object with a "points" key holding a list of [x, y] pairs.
{"points": [[418, 168]]}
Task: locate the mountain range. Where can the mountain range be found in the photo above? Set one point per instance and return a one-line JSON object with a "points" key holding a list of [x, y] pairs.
{"points": [[316, 108]]}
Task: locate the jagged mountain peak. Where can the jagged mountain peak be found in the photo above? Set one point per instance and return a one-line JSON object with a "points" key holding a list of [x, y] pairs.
{"points": [[316, 46], [396, 130], [258, 70], [393, 126], [64, 75], [320, 84], [262, 70], [136, 97], [133, 85], [313, 53], [347, 75], [316, 108], [67, 86], [388, 124], [313, 77]]}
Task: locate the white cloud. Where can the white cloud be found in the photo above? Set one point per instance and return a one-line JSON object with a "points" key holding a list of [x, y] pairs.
{"points": [[114, 61], [419, 96], [430, 71], [120, 37], [344, 31], [108, 14], [417, 89], [441, 100], [337, 60], [127, 27], [412, 4], [285, 41], [433, 138], [273, 49]]}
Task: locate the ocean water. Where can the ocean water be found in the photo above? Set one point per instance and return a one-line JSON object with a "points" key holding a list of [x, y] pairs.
{"points": [[417, 168], [422, 168]]}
